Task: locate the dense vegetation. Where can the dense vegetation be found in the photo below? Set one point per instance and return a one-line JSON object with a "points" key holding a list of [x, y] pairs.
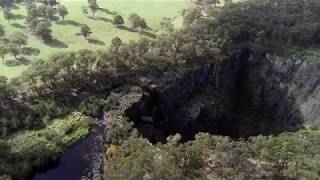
{"points": [[260, 27], [289, 155], [265, 25]]}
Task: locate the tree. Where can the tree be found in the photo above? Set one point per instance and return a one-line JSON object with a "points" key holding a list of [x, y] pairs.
{"points": [[192, 15], [62, 11], [85, 31], [115, 43], [93, 6], [167, 25], [84, 9], [42, 10], [134, 19], [32, 12], [142, 23], [19, 39], [42, 29], [52, 2], [2, 32], [118, 20], [7, 14], [3, 52], [13, 50], [50, 12], [5, 3]]}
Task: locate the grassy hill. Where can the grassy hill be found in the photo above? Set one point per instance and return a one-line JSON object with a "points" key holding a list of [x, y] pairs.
{"points": [[65, 32]]}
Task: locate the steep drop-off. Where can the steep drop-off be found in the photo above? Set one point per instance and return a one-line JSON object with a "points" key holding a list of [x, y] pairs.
{"points": [[239, 97]]}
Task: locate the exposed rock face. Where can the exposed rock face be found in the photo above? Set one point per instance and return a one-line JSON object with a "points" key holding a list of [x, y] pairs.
{"points": [[238, 97], [279, 82]]}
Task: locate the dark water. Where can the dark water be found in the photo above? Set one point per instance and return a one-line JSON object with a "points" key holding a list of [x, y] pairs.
{"points": [[85, 159]]}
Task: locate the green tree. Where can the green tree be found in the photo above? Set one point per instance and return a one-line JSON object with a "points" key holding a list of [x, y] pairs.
{"points": [[5, 4], [118, 20], [13, 50], [32, 12], [167, 25], [84, 9], [50, 12], [116, 42], [43, 29], [135, 20], [85, 31], [7, 14], [93, 6], [42, 10], [52, 2], [192, 15], [19, 39], [3, 52], [62, 11], [2, 32]]}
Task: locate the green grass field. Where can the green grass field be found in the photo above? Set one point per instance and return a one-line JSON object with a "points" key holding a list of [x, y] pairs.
{"points": [[65, 32]]}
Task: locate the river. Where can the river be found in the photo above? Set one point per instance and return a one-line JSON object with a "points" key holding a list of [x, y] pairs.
{"points": [[85, 159]]}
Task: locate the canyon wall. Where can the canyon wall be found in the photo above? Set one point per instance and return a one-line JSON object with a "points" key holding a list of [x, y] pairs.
{"points": [[239, 97]]}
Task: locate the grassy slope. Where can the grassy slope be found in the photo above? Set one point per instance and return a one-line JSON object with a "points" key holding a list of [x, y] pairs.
{"points": [[65, 34]]}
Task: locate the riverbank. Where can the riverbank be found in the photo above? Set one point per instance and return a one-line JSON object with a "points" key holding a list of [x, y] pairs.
{"points": [[31, 150]]}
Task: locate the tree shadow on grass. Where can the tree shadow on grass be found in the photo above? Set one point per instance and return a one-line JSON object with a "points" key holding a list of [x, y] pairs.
{"points": [[54, 18], [125, 28], [148, 34], [17, 25], [17, 62], [108, 11], [17, 16], [29, 51], [69, 22], [93, 18], [148, 28], [24, 61], [11, 63], [14, 7], [96, 41], [56, 43], [105, 19]]}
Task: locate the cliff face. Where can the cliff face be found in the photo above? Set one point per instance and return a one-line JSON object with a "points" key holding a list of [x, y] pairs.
{"points": [[242, 96], [287, 88]]}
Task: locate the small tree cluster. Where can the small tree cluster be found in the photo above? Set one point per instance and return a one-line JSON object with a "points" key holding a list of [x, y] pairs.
{"points": [[38, 18], [62, 11], [167, 25], [12, 45], [137, 22], [93, 6], [85, 31], [118, 20], [7, 14], [5, 4]]}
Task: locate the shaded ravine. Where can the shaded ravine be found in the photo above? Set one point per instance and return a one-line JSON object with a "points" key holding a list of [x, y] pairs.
{"points": [[85, 159]]}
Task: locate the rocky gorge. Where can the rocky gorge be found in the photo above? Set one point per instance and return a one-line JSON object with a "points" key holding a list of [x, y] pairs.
{"points": [[239, 97]]}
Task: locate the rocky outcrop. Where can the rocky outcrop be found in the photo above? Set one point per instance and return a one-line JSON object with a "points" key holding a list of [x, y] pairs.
{"points": [[242, 96], [279, 81]]}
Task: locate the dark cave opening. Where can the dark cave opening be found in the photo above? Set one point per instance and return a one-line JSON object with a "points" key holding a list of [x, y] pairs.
{"points": [[249, 105]]}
